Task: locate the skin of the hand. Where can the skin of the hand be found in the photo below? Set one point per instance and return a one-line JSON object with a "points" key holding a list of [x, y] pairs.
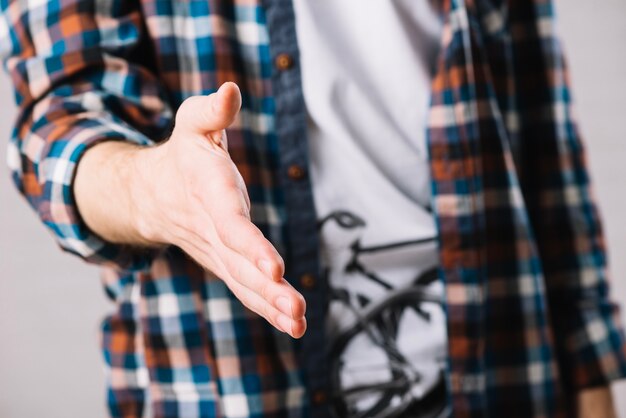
{"points": [[595, 403], [188, 192]]}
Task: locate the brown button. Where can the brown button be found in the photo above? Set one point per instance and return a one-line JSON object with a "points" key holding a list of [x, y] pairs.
{"points": [[284, 61], [307, 281], [296, 172], [319, 397]]}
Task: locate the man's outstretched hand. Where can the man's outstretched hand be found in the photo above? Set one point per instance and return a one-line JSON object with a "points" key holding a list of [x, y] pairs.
{"points": [[187, 192]]}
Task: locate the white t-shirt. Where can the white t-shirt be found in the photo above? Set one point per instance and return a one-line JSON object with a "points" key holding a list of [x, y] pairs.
{"points": [[366, 75]]}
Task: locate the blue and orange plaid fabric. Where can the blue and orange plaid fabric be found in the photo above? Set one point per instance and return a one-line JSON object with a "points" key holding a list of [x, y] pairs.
{"points": [[530, 320]]}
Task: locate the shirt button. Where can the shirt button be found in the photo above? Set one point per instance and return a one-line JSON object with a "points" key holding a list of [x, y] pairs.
{"points": [[319, 397], [296, 172], [283, 61], [307, 281]]}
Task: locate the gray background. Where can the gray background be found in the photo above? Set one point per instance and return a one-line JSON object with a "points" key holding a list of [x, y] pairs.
{"points": [[51, 304]]}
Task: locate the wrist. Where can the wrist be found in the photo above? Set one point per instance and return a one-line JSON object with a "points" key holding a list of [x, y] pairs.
{"points": [[105, 191], [145, 164]]}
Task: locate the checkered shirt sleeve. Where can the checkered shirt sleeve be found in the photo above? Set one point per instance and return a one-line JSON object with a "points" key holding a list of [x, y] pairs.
{"points": [[80, 77]]}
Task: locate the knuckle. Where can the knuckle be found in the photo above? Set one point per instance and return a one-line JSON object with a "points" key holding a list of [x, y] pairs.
{"points": [[226, 234], [189, 104], [234, 231], [267, 313], [244, 212], [253, 232], [277, 264], [265, 289]]}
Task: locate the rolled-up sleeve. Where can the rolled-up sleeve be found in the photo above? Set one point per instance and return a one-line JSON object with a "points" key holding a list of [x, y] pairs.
{"points": [[82, 73]]}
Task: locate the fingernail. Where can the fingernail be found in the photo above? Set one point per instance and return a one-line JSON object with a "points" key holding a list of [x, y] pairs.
{"points": [[283, 305], [284, 323]]}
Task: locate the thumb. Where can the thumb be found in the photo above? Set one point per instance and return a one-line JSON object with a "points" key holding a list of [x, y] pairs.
{"points": [[206, 114]]}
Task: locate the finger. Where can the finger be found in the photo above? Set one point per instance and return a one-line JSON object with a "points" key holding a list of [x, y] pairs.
{"points": [[253, 301], [232, 226], [239, 234], [212, 113], [279, 294], [205, 257], [293, 327]]}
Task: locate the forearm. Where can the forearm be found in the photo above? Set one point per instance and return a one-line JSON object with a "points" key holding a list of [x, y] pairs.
{"points": [[105, 193]]}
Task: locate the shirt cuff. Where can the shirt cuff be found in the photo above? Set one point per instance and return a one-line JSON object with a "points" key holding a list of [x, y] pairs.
{"points": [[595, 353], [57, 206]]}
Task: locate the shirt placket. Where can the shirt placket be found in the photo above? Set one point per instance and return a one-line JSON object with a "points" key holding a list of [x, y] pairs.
{"points": [[302, 254]]}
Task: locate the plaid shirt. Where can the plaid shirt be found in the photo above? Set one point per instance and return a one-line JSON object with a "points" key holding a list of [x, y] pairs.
{"points": [[530, 320]]}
